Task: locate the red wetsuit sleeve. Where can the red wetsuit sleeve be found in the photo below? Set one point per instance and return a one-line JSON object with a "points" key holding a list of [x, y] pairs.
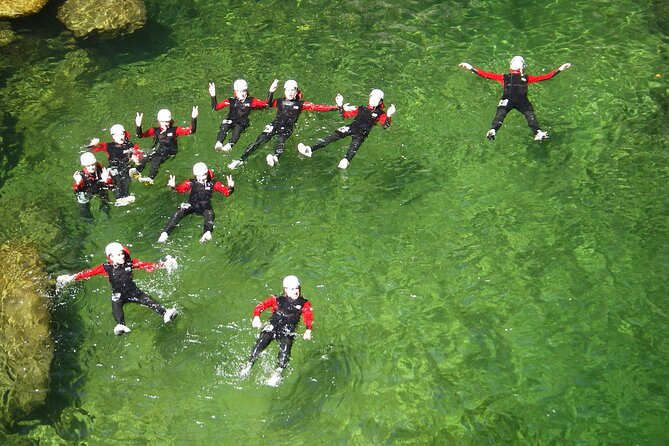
{"points": [[146, 134], [309, 106], [543, 77], [100, 147], [270, 302], [308, 314], [350, 114], [85, 274], [183, 187], [147, 266], [224, 103], [185, 131], [498, 77], [225, 190], [257, 103]]}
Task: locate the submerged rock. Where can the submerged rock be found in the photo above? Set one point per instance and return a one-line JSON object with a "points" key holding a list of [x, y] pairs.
{"points": [[112, 18], [20, 8], [27, 349]]}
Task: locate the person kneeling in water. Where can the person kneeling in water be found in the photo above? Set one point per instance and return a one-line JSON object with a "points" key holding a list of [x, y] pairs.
{"points": [[199, 202], [118, 269]]}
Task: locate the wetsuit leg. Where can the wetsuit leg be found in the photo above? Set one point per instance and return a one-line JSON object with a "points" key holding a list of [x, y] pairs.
{"points": [[156, 160], [176, 218], [499, 117], [117, 308], [280, 143], [527, 110], [208, 215], [285, 346], [356, 142], [121, 184], [144, 299], [85, 210], [262, 139], [223, 131], [263, 341], [236, 133], [327, 140], [104, 201]]}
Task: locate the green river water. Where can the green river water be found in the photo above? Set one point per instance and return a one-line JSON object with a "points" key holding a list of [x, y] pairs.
{"points": [[465, 291]]}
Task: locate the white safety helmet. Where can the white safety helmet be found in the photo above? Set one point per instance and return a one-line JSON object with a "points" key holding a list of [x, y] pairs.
{"points": [[87, 159], [117, 129], [290, 85], [517, 63], [164, 115], [112, 248], [291, 282], [378, 93], [200, 169], [240, 85]]}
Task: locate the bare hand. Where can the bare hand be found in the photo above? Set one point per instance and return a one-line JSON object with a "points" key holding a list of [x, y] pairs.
{"points": [[307, 335], [564, 66], [231, 182], [274, 85], [194, 112], [172, 181], [138, 119], [339, 99], [77, 177], [391, 110], [256, 323], [465, 65], [94, 142], [212, 89]]}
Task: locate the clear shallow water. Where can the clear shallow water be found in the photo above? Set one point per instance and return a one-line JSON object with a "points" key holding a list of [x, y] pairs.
{"points": [[466, 292]]}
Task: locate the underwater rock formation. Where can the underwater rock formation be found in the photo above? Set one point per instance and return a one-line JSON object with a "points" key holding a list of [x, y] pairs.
{"points": [[20, 8], [113, 18], [27, 349]]}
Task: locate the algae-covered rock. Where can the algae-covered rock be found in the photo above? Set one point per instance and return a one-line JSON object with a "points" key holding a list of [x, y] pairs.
{"points": [[20, 8], [26, 350], [110, 18]]}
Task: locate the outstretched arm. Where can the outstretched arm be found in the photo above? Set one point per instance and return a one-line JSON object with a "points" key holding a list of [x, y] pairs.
{"points": [[488, 75]]}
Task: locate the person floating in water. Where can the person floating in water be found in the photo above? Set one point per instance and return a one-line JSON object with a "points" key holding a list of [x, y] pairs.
{"points": [[240, 109], [288, 110], [515, 84], [365, 118], [120, 153], [286, 312], [118, 269], [201, 188], [92, 180], [164, 140]]}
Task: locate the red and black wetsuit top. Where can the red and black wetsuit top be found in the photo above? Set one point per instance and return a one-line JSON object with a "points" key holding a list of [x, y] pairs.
{"points": [[165, 141], [119, 154], [200, 194], [286, 312], [120, 276], [239, 110], [92, 182], [515, 83], [365, 118], [288, 111]]}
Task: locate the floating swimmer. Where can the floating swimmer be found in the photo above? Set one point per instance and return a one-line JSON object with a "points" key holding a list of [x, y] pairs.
{"points": [[93, 180], [240, 109], [286, 312], [120, 153], [201, 188], [118, 269], [164, 140], [288, 110], [515, 84], [365, 118]]}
